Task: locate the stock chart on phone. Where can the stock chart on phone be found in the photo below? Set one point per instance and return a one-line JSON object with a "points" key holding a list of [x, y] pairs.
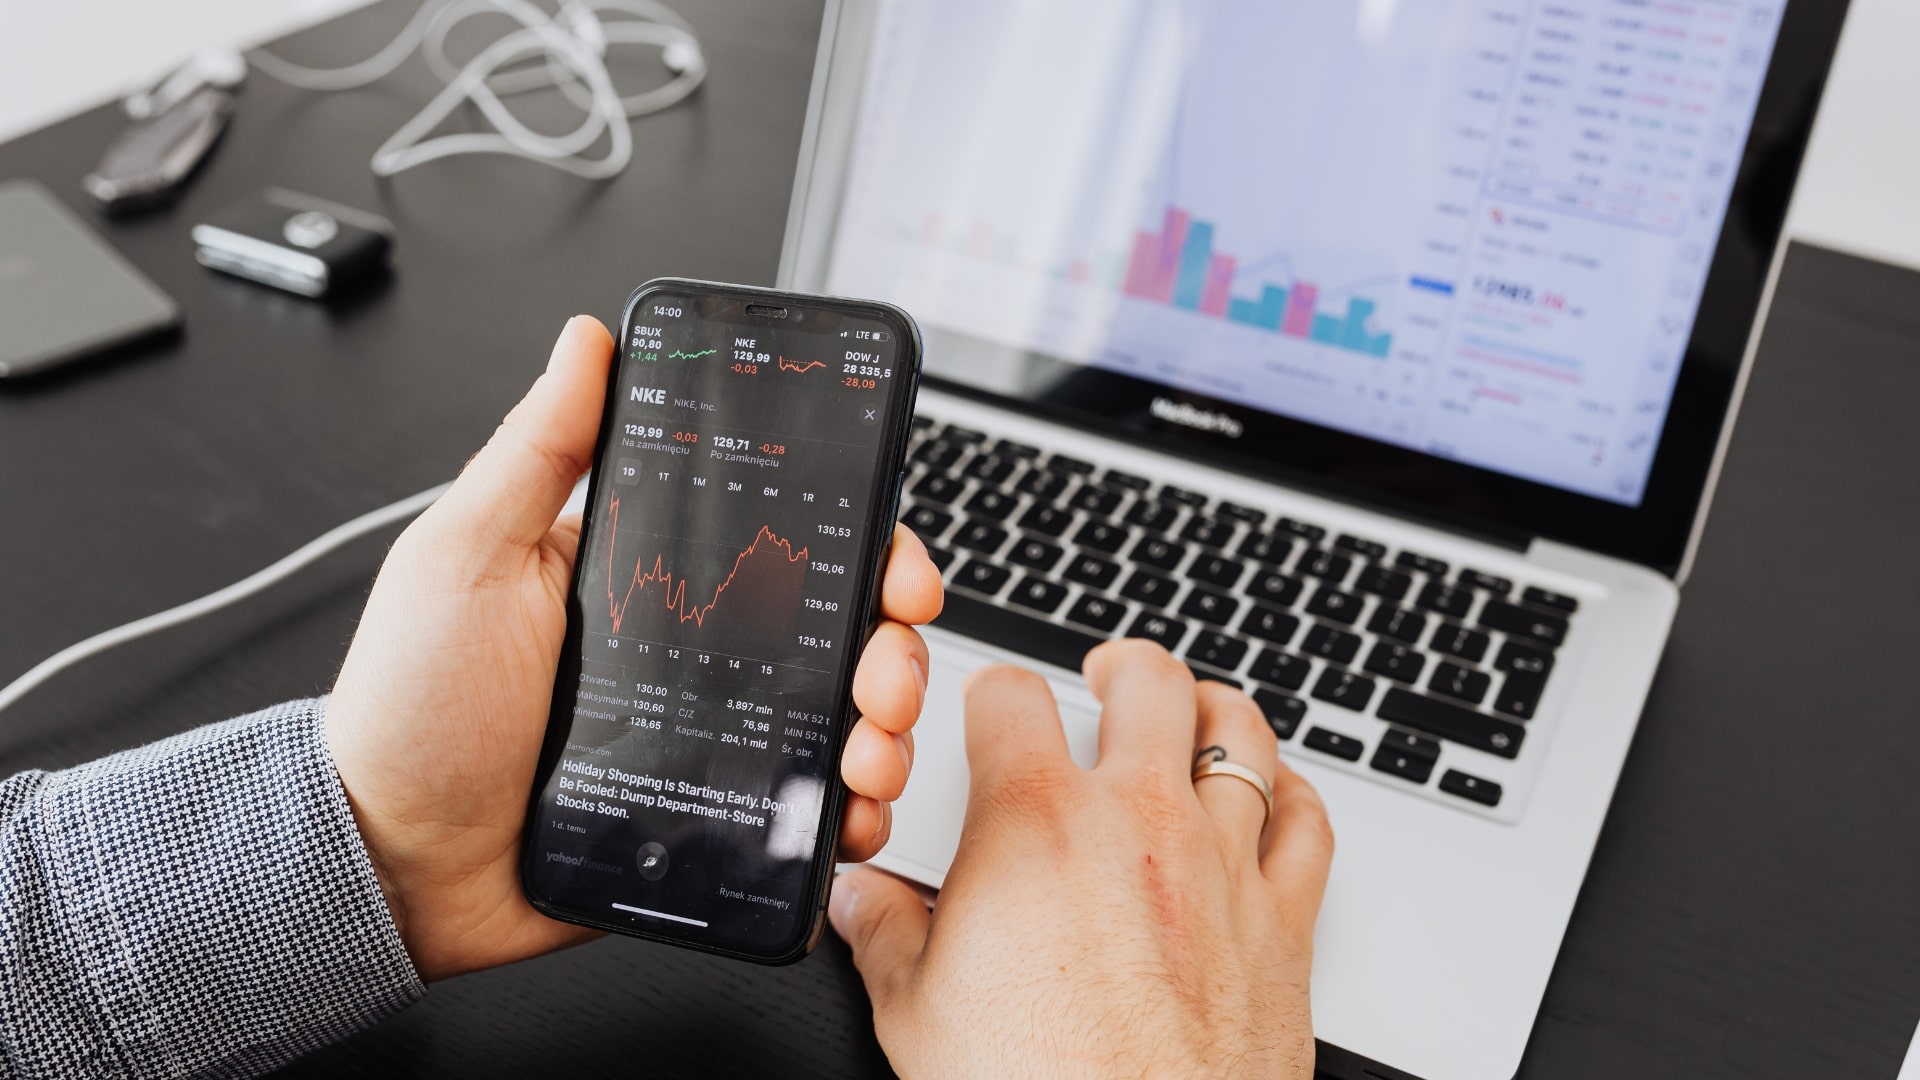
{"points": [[723, 559]]}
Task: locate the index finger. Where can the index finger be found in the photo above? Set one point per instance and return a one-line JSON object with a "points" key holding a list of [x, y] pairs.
{"points": [[911, 592]]}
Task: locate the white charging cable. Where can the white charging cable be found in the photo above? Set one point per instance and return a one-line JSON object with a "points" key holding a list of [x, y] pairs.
{"points": [[572, 45], [254, 583]]}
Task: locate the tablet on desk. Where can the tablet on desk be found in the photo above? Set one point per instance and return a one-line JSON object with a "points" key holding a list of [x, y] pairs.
{"points": [[65, 294]]}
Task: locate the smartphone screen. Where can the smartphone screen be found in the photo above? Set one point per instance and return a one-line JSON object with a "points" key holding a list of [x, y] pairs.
{"points": [[740, 510]]}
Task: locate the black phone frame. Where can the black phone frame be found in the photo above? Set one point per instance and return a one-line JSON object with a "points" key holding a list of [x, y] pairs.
{"points": [[888, 482]]}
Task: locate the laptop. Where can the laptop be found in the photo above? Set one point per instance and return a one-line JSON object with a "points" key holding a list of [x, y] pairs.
{"points": [[1376, 356]]}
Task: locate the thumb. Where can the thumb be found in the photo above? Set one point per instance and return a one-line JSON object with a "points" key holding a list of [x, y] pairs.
{"points": [[515, 486], [884, 921]]}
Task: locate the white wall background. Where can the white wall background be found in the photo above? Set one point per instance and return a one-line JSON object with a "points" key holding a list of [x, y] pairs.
{"points": [[1857, 192]]}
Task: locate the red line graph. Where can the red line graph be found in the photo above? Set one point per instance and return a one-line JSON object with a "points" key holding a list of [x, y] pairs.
{"points": [[799, 368], [676, 590]]}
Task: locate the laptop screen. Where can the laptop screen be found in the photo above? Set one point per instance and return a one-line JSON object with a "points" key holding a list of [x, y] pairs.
{"points": [[1476, 229]]}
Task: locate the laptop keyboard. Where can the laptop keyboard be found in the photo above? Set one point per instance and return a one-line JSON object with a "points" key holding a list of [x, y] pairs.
{"points": [[1049, 555]]}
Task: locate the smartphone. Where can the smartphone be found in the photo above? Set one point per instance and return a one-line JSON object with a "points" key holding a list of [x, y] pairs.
{"points": [[738, 520]]}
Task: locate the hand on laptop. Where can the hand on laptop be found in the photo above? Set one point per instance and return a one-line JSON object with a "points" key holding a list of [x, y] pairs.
{"points": [[437, 718], [1124, 920]]}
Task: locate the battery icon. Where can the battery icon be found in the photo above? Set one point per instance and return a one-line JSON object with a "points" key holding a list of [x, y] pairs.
{"points": [[879, 335]]}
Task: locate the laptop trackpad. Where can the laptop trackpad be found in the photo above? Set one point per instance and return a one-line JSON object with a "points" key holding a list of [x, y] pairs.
{"points": [[927, 819]]}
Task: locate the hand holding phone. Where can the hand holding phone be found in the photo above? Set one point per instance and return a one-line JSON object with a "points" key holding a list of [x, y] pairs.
{"points": [[741, 508], [436, 720]]}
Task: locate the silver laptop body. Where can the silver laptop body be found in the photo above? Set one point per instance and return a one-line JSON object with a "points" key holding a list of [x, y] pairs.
{"points": [[1370, 297]]}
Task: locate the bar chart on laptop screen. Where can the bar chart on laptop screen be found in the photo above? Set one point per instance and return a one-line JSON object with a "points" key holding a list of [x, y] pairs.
{"points": [[1478, 228]]}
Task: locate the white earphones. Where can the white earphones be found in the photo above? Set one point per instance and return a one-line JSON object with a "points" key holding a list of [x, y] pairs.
{"points": [[573, 44]]}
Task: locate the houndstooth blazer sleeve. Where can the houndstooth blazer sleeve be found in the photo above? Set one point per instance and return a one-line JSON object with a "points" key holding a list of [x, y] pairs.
{"points": [[202, 906]]}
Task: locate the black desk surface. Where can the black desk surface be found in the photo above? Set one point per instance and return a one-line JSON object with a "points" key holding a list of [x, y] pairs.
{"points": [[1750, 909]]}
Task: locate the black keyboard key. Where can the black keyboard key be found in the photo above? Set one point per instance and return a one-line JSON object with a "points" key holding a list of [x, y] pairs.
{"points": [[1407, 560], [1409, 767], [1193, 500], [1324, 564], [1158, 628], [1152, 516], [1043, 484], [1335, 605], [991, 468], [1456, 640], [1474, 579], [1241, 513], [1101, 536], [1520, 695], [1210, 607], [1275, 589], [1281, 669], [1009, 448], [1396, 661], [1149, 588], [938, 453], [981, 536], [958, 434], [1484, 792], [1063, 463], [1554, 600], [927, 522], [1382, 582], [1456, 723], [1038, 593], [1406, 742], [1461, 683], [1216, 570], [1010, 629], [1157, 553], [982, 577], [1549, 630], [1270, 625], [1095, 500], [1523, 659], [1098, 612], [1344, 747], [1313, 533], [1330, 644], [1042, 518], [988, 502], [1209, 531], [1266, 547], [1035, 553], [922, 423], [1116, 478], [1092, 571], [1445, 599], [942, 558], [1398, 623], [1217, 650], [939, 487], [1369, 548], [1284, 711]]}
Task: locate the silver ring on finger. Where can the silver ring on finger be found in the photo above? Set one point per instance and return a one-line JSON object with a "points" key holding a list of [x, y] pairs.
{"points": [[1213, 762]]}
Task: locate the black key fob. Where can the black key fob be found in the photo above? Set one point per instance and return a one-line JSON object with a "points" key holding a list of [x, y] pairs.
{"points": [[149, 162], [295, 242]]}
